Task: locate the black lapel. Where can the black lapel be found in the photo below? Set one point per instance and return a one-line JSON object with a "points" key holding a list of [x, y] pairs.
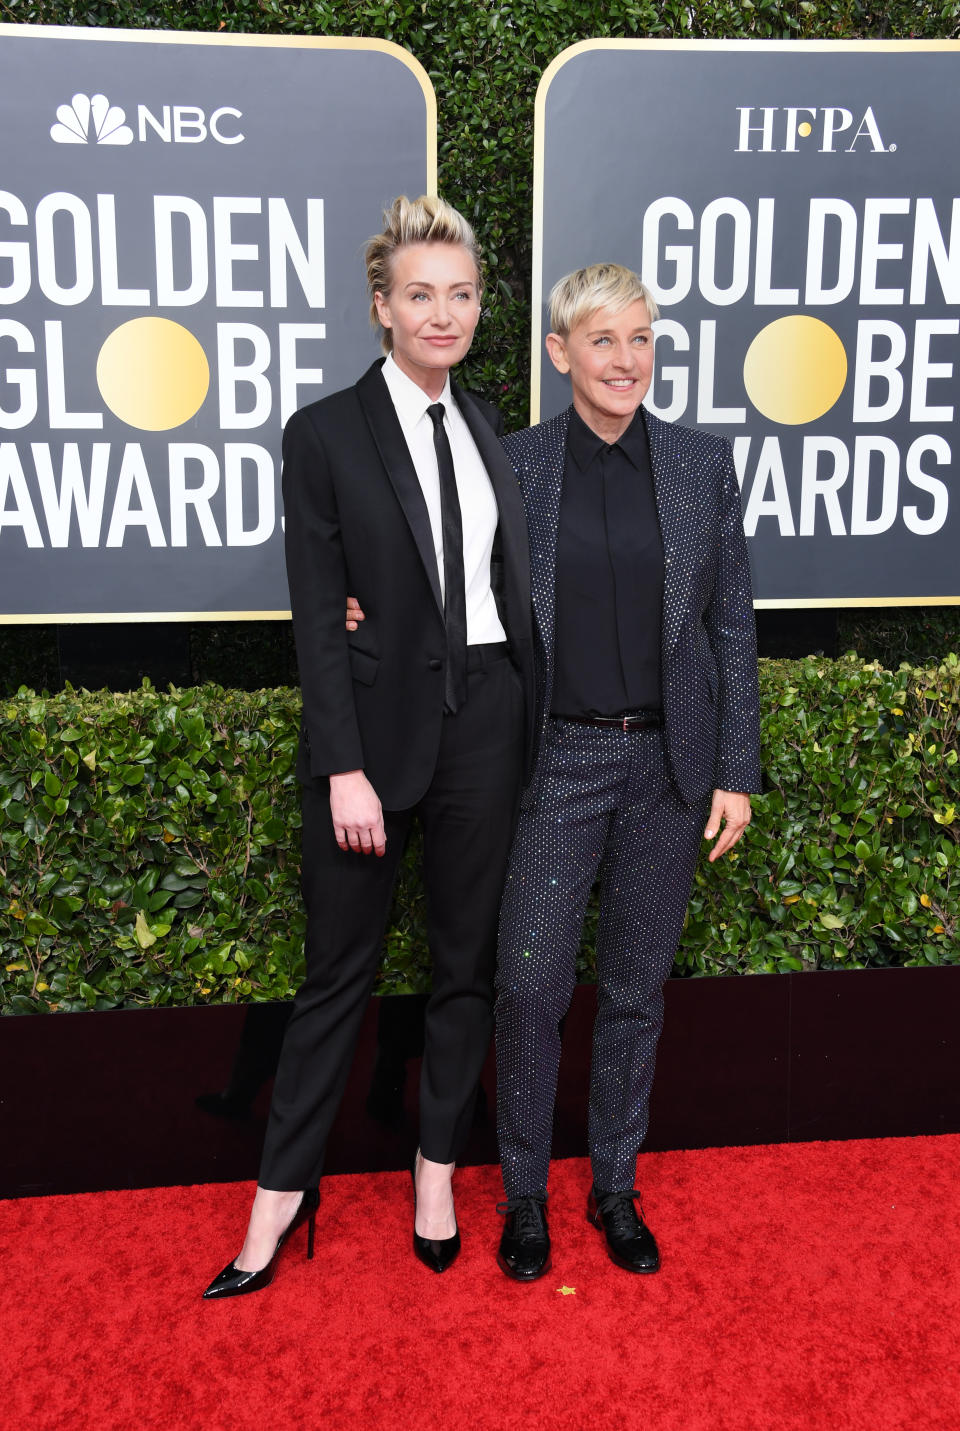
{"points": [[513, 522], [387, 433]]}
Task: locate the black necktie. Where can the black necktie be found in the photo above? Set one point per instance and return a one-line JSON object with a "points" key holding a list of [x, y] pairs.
{"points": [[454, 595]]}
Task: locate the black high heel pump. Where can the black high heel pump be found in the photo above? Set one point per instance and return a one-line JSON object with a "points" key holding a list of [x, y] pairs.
{"points": [[437, 1253], [235, 1282]]}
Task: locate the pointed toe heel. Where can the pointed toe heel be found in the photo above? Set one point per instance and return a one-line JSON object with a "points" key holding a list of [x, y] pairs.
{"points": [[235, 1281], [437, 1253]]}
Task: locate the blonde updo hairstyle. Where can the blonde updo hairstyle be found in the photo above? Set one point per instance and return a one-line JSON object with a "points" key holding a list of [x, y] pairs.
{"points": [[411, 221]]}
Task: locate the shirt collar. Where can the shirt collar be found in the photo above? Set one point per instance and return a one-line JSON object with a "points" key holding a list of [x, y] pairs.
{"points": [[410, 401], [584, 445]]}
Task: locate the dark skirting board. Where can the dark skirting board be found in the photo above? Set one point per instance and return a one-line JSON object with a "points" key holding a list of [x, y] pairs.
{"points": [[93, 1101]]}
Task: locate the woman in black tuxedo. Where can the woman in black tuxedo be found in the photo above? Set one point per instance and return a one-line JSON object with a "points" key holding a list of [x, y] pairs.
{"points": [[398, 487]]}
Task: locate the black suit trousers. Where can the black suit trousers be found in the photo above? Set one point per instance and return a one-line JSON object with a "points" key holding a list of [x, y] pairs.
{"points": [[467, 815]]}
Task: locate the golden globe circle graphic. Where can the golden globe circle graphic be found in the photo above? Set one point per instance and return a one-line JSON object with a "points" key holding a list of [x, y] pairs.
{"points": [[152, 373], [795, 369]]}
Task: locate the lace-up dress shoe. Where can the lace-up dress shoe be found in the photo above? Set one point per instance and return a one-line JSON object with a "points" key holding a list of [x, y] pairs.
{"points": [[524, 1251], [630, 1242]]}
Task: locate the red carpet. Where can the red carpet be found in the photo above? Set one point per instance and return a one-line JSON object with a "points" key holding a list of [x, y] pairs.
{"points": [[804, 1286]]}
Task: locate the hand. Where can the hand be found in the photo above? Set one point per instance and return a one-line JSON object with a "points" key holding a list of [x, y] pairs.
{"points": [[354, 614], [732, 810], [357, 814]]}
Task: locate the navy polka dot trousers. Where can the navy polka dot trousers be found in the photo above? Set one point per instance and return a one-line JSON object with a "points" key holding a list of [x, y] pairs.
{"points": [[606, 805]]}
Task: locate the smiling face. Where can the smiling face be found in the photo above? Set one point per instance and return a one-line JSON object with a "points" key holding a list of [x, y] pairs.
{"points": [[431, 310], [609, 357]]}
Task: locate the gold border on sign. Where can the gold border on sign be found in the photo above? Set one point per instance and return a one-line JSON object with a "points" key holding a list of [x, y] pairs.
{"points": [[787, 603], [88, 618], [772, 603], [536, 317], [193, 37]]}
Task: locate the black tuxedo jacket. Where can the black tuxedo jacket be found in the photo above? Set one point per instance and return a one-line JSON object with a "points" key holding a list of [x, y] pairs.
{"points": [[356, 523], [708, 638]]}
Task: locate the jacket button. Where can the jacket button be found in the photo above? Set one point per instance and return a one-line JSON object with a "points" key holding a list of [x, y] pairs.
{"points": [[435, 665]]}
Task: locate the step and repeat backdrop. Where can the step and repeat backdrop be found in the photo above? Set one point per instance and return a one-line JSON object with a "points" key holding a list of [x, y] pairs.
{"points": [[793, 206], [181, 228]]}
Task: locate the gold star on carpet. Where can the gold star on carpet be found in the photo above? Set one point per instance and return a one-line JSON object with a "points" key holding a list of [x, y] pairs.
{"points": [[567, 1291]]}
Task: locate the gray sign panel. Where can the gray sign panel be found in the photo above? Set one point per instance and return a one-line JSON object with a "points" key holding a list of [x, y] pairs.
{"points": [[181, 226], [793, 206]]}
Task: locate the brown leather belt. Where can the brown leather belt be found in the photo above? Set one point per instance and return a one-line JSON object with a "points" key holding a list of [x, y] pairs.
{"points": [[632, 720]]}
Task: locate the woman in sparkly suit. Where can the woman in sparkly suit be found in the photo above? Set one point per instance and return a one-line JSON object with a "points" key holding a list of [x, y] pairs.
{"points": [[645, 649]]}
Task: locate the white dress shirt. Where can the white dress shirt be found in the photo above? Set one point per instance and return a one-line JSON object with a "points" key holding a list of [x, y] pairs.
{"points": [[478, 507]]}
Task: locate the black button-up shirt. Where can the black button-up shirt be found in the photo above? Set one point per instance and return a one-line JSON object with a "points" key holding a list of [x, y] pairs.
{"points": [[609, 576]]}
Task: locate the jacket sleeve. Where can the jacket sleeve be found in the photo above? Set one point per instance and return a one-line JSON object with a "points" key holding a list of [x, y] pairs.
{"points": [[732, 632], [316, 573]]}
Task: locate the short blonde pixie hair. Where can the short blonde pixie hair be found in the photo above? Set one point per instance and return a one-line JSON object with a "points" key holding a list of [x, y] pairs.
{"points": [[602, 285], [409, 221]]}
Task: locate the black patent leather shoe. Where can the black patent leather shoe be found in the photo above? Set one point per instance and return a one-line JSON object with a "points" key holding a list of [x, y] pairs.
{"points": [[630, 1242], [524, 1251], [437, 1253], [235, 1281]]}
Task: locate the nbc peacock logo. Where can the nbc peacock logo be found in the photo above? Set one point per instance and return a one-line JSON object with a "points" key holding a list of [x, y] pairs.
{"points": [[87, 120]]}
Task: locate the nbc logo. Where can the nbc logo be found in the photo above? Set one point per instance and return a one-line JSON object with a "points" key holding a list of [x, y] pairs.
{"points": [[95, 120], [84, 118]]}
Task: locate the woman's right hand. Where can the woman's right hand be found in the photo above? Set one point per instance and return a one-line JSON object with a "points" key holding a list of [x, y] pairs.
{"points": [[357, 814]]}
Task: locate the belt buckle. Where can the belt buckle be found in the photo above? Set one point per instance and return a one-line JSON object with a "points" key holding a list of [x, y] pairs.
{"points": [[625, 726]]}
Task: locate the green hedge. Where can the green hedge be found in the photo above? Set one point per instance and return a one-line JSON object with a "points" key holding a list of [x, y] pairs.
{"points": [[149, 843]]}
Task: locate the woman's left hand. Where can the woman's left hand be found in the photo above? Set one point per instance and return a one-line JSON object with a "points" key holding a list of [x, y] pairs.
{"points": [[732, 810]]}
